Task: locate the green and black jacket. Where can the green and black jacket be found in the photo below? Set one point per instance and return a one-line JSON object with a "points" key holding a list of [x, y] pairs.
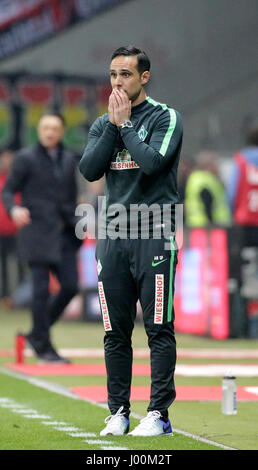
{"points": [[140, 163]]}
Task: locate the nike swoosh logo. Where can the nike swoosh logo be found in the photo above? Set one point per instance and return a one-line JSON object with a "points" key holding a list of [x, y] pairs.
{"points": [[158, 262], [166, 427]]}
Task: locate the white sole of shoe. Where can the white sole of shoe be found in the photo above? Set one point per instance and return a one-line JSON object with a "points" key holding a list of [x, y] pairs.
{"points": [[151, 435]]}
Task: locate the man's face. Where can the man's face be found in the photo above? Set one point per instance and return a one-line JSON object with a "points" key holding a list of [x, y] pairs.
{"points": [[50, 131], [6, 160], [124, 74]]}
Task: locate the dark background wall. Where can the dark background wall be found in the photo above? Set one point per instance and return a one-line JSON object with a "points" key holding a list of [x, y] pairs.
{"points": [[204, 57]]}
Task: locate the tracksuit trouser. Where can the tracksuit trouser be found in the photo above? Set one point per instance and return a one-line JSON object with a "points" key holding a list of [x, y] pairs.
{"points": [[46, 309], [129, 270]]}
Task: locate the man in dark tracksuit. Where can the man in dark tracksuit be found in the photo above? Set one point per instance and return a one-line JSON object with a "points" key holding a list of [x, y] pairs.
{"points": [[45, 174], [137, 146]]}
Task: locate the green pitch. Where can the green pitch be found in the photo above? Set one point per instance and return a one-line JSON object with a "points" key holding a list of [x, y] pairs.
{"points": [[26, 431], [27, 410]]}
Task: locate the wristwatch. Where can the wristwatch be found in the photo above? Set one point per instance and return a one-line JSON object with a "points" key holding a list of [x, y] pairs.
{"points": [[126, 124]]}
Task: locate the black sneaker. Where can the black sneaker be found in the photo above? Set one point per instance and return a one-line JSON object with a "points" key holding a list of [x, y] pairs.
{"points": [[51, 356], [35, 346], [46, 354]]}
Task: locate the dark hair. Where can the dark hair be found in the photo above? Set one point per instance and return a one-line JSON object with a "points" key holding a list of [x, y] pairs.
{"points": [[55, 114], [252, 136], [143, 59]]}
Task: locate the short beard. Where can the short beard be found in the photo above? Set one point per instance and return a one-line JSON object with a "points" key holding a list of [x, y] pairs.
{"points": [[135, 96]]}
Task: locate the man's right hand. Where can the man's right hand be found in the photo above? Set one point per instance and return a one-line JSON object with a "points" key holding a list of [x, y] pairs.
{"points": [[111, 105], [20, 216]]}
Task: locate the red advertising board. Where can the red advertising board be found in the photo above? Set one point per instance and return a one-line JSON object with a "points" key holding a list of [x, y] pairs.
{"points": [[201, 295]]}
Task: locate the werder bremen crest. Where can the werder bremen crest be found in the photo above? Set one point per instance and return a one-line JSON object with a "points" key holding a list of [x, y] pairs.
{"points": [[142, 133]]}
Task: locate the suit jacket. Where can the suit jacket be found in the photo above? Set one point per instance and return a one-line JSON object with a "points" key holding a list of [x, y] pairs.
{"points": [[48, 189]]}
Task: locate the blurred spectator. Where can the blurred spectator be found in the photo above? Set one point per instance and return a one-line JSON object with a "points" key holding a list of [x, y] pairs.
{"points": [[45, 174], [94, 189], [205, 198], [243, 198], [185, 168], [243, 188], [90, 193], [8, 231]]}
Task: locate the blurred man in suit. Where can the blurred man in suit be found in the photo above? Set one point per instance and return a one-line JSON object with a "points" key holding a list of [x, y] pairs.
{"points": [[45, 175]]}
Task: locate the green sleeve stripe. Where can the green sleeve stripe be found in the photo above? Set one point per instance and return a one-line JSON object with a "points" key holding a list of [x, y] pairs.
{"points": [[171, 281], [169, 133], [171, 127]]}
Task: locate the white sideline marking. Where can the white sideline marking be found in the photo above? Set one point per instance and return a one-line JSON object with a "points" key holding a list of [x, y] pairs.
{"points": [[189, 353], [217, 353], [218, 370], [67, 428], [49, 386], [202, 439], [113, 448], [37, 416], [56, 388], [97, 441], [82, 434], [24, 411], [11, 405], [54, 423], [70, 430], [193, 436]]}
